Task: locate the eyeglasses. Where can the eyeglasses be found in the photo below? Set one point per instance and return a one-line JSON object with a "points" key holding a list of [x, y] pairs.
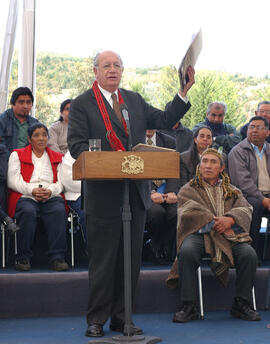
{"points": [[258, 127], [267, 112], [215, 115]]}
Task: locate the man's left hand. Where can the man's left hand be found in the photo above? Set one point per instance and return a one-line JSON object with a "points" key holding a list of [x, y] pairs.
{"points": [[170, 197], [223, 224]]}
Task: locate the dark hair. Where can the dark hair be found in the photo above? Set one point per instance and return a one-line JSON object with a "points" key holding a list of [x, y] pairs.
{"points": [[35, 126], [62, 107], [259, 118], [194, 149], [21, 91], [196, 132], [262, 103]]}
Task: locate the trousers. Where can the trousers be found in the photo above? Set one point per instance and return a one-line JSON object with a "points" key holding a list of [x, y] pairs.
{"points": [[192, 251], [53, 216]]}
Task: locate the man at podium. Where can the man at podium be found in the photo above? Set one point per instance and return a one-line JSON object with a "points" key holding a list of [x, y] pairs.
{"points": [[96, 114]]}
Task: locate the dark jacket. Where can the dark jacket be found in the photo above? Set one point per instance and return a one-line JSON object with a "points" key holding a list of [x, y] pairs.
{"points": [[187, 166], [231, 138], [3, 176], [9, 129], [164, 140], [243, 168], [182, 135]]}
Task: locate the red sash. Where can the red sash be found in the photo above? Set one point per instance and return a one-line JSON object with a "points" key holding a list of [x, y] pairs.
{"points": [[111, 136]]}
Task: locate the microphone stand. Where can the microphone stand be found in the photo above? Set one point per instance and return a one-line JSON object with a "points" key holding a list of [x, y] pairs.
{"points": [[128, 336]]}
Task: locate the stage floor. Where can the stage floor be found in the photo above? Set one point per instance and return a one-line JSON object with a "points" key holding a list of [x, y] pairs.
{"points": [[217, 328]]}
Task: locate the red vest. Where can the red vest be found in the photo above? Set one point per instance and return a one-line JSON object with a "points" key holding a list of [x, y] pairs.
{"points": [[27, 168]]}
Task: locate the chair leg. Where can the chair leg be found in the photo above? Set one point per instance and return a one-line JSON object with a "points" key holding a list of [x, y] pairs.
{"points": [[254, 299], [265, 240], [199, 272], [72, 239], [3, 246], [15, 244], [268, 295]]}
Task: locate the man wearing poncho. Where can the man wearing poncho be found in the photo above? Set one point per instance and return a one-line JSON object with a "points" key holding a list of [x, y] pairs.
{"points": [[213, 219]]}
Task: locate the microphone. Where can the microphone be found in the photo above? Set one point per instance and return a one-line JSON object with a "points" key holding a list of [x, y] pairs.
{"points": [[124, 111]]}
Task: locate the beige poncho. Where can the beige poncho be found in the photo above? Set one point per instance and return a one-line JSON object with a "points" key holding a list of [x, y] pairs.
{"points": [[196, 207]]}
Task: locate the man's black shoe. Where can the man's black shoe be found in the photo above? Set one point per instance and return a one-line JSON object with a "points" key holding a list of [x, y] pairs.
{"points": [[119, 327], [187, 313], [242, 309], [59, 265], [94, 330]]}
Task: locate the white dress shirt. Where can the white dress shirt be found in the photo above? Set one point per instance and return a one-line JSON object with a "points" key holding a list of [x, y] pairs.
{"points": [[72, 188]]}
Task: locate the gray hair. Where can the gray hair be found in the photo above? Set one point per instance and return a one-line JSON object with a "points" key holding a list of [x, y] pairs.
{"points": [[261, 103], [96, 58], [224, 105]]}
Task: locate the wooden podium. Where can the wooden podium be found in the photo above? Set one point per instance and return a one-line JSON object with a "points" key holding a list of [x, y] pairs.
{"points": [[126, 166]]}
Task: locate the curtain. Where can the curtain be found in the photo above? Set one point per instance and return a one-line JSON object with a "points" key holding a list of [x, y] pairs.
{"points": [[27, 54], [8, 49]]}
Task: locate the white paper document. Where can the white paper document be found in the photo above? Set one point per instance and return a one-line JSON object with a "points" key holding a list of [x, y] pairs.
{"points": [[190, 57]]}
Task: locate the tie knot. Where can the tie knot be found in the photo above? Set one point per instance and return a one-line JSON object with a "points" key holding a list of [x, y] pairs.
{"points": [[114, 97]]}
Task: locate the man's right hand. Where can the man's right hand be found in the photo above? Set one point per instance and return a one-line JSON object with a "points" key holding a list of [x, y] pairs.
{"points": [[266, 203], [157, 197]]}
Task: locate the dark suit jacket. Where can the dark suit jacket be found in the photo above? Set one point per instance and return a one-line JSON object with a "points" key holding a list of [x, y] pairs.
{"points": [[164, 140], [85, 122]]}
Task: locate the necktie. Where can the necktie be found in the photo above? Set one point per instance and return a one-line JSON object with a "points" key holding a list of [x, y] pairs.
{"points": [[116, 107], [149, 142]]}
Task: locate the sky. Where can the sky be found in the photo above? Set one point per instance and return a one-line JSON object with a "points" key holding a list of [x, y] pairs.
{"points": [[150, 32]]}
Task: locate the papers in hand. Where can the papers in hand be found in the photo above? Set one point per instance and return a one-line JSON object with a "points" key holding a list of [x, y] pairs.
{"points": [[190, 58]]}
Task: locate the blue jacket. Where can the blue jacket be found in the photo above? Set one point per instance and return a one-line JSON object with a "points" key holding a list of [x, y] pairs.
{"points": [[9, 129]]}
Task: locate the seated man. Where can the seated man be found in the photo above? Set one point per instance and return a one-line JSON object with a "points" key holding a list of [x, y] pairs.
{"points": [[35, 191], [15, 121], [214, 220], [161, 217], [263, 109], [249, 169], [182, 135], [225, 136]]}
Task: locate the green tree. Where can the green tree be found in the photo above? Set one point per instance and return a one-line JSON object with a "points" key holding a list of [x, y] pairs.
{"points": [[210, 86], [168, 86], [83, 76], [46, 111], [139, 87], [262, 94]]}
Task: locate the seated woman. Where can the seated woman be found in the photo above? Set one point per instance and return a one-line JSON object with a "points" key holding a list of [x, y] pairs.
{"points": [[58, 130], [4, 218], [202, 139], [72, 190], [35, 191]]}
